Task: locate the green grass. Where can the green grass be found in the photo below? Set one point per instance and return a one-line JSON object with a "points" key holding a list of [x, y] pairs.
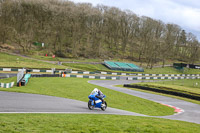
{"points": [[8, 80], [83, 123], [87, 67], [79, 89], [49, 58], [171, 70], [7, 60], [185, 82], [100, 67]]}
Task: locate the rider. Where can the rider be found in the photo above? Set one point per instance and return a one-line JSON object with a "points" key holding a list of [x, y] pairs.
{"points": [[100, 95]]}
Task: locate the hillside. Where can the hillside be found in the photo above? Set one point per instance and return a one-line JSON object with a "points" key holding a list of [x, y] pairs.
{"points": [[66, 29], [43, 62]]}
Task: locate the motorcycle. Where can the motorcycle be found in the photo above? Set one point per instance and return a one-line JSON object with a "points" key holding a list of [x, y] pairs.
{"points": [[95, 102]]}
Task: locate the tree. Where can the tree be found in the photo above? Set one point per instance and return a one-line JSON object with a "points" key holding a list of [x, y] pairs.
{"points": [[82, 30], [193, 49]]}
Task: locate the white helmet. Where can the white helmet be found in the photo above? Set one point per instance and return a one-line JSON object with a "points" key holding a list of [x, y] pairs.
{"points": [[95, 90]]}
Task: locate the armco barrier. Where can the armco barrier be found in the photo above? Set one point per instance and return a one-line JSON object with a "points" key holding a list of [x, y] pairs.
{"points": [[45, 75], [153, 78], [164, 91], [153, 75], [104, 73], [29, 70], [7, 85], [91, 77]]}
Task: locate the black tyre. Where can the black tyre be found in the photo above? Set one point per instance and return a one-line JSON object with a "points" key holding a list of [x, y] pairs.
{"points": [[90, 106], [104, 107]]}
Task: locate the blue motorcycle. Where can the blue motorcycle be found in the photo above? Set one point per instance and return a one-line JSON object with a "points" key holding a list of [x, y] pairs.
{"points": [[95, 102]]}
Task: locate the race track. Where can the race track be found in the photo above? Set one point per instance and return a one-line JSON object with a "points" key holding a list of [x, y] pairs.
{"points": [[11, 102]]}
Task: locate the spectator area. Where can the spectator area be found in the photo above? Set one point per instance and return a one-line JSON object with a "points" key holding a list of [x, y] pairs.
{"points": [[122, 66]]}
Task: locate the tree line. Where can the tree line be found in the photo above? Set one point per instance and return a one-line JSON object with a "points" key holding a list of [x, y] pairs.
{"points": [[82, 30]]}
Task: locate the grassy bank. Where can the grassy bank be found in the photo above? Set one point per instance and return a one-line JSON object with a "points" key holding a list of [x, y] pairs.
{"points": [[87, 67], [82, 123], [49, 58], [79, 89], [8, 60], [100, 67]]}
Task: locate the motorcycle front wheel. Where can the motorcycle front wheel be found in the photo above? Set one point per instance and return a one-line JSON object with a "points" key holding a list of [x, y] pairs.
{"points": [[104, 106], [90, 106]]}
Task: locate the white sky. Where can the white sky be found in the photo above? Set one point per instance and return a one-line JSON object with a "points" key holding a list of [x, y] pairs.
{"points": [[185, 13]]}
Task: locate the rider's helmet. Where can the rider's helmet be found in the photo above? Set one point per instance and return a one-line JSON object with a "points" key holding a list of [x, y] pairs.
{"points": [[95, 90]]}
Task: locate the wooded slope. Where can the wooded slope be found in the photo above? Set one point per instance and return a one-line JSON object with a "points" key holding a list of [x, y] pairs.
{"points": [[81, 30]]}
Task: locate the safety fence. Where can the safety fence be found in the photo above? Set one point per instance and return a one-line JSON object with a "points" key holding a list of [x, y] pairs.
{"points": [[7, 85], [45, 75], [153, 75], [130, 76], [30, 70], [136, 74], [98, 72], [91, 77]]}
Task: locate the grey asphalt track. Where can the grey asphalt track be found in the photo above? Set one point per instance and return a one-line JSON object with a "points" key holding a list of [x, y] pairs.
{"points": [[11, 102], [191, 111], [7, 75]]}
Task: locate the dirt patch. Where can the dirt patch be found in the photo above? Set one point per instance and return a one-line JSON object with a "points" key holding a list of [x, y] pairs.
{"points": [[7, 47]]}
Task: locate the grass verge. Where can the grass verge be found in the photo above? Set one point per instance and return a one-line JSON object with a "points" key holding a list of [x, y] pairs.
{"points": [[8, 80], [87, 67], [100, 67], [83, 123], [8, 60], [79, 89], [49, 58]]}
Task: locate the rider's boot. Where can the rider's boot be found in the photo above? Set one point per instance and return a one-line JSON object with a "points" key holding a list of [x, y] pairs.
{"points": [[103, 101]]}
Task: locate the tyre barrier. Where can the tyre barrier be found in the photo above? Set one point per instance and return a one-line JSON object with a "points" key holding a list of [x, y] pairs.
{"points": [[180, 94], [91, 77], [45, 75], [7, 85]]}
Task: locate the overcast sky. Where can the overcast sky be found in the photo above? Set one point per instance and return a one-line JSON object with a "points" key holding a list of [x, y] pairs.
{"points": [[185, 13]]}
